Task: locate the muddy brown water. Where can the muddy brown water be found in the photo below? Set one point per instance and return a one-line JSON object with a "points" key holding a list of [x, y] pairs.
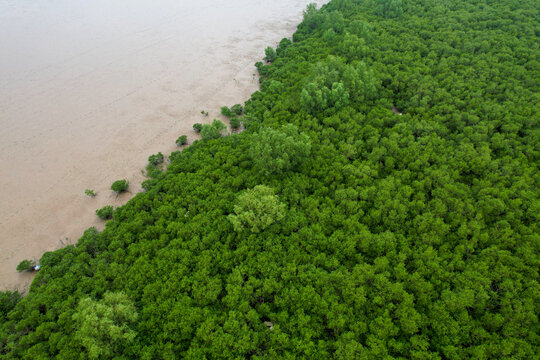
{"points": [[89, 89]]}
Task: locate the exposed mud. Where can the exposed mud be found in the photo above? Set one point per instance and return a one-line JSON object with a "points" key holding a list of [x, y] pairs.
{"points": [[89, 89]]}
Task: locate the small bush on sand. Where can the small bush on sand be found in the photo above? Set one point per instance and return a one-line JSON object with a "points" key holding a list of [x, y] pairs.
{"points": [[90, 192], [120, 186], [26, 265], [182, 140]]}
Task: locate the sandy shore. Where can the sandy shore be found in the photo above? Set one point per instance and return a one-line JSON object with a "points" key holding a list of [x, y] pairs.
{"points": [[87, 93]]}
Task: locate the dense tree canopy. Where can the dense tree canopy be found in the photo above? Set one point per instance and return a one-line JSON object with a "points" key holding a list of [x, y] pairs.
{"points": [[278, 151], [102, 327], [257, 209], [409, 231]]}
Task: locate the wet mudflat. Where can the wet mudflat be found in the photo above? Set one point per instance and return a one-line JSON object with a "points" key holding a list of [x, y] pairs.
{"points": [[88, 90]]}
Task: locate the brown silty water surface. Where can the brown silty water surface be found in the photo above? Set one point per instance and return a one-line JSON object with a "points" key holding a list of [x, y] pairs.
{"points": [[89, 89]]}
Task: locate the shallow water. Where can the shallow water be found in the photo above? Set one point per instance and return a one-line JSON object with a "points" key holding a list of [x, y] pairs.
{"points": [[89, 89]]}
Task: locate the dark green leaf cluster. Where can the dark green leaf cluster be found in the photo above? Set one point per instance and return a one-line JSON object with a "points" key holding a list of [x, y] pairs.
{"points": [[213, 131], [225, 111], [8, 300], [182, 140], [390, 8], [233, 113], [270, 54], [105, 212], [237, 109], [26, 265], [155, 159], [197, 127], [409, 230], [122, 185], [235, 123]]}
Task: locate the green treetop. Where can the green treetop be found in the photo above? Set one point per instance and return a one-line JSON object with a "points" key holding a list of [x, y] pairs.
{"points": [[103, 327], [257, 209], [278, 151]]}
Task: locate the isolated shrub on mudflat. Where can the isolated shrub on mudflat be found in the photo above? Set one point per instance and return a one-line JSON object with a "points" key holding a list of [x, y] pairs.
{"points": [[120, 186], [26, 265], [182, 140], [90, 192]]}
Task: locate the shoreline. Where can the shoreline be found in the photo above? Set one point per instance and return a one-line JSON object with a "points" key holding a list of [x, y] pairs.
{"points": [[51, 209]]}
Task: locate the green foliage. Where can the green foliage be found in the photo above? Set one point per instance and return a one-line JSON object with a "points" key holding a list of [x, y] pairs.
{"points": [[263, 70], [361, 28], [334, 20], [155, 159], [256, 210], [90, 192], [270, 54], [273, 87], [282, 47], [105, 212], [390, 8], [312, 17], [182, 140], [8, 300], [26, 265], [277, 151], [237, 109], [225, 111], [120, 185], [152, 171], [197, 127], [332, 85], [213, 131], [235, 123], [399, 237], [104, 327]]}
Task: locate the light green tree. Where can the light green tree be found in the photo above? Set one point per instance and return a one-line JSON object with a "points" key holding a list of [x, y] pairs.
{"points": [[333, 84], [278, 151], [103, 327], [257, 209]]}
